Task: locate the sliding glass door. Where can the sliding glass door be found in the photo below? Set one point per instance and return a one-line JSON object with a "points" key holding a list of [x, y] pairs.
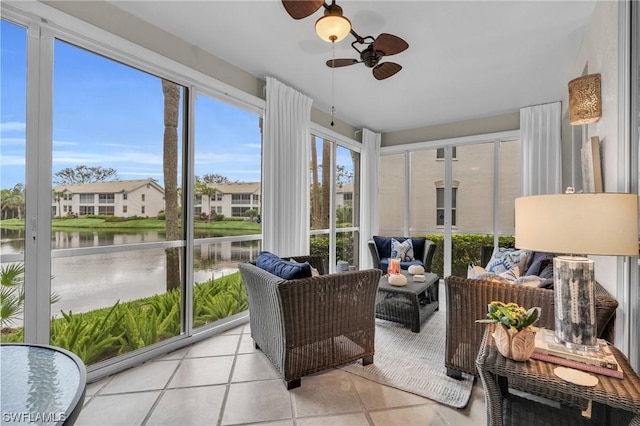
{"points": [[13, 110], [334, 191], [117, 237], [227, 206]]}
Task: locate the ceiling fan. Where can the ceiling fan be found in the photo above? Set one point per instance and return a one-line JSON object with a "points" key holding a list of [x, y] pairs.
{"points": [[336, 27]]}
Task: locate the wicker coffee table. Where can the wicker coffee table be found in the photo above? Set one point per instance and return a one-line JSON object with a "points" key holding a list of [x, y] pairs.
{"points": [[411, 304]]}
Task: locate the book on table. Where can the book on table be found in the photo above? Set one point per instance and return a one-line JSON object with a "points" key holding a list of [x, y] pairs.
{"points": [[600, 361]]}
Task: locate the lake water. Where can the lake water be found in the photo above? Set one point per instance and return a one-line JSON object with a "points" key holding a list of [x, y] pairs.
{"points": [[94, 281]]}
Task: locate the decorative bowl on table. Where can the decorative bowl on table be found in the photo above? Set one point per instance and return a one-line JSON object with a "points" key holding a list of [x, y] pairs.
{"points": [[397, 280]]}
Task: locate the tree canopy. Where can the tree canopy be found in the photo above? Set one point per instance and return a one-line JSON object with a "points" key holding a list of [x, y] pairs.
{"points": [[212, 178], [84, 174]]}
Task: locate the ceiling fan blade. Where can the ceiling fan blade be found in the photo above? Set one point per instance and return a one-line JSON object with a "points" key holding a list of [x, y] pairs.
{"points": [[299, 9], [335, 63], [386, 70], [388, 44]]}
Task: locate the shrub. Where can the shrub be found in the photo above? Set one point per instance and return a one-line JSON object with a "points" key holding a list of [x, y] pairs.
{"points": [[103, 333]]}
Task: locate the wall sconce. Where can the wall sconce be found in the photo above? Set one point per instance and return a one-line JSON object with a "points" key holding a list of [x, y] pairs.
{"points": [[585, 102], [333, 26]]}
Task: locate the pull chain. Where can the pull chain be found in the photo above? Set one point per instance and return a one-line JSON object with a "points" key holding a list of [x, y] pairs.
{"points": [[333, 70]]}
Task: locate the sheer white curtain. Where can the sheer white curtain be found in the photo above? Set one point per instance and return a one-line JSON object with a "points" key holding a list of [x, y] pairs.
{"points": [[285, 163], [541, 149], [369, 170]]}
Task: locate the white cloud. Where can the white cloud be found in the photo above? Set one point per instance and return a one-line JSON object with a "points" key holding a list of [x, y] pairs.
{"points": [[13, 126], [12, 160], [12, 141]]}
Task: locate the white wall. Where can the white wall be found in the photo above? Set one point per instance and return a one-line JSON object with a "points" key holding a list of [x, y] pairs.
{"points": [[599, 54]]}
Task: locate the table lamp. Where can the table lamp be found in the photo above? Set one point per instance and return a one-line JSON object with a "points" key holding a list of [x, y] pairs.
{"points": [[576, 225]]}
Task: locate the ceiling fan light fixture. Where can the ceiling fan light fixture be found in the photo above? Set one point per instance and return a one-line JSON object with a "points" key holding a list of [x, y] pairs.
{"points": [[333, 26]]}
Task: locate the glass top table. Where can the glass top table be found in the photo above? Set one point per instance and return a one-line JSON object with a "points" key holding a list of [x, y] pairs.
{"points": [[40, 384]]}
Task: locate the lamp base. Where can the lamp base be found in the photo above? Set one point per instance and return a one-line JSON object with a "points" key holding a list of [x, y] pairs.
{"points": [[574, 300]]}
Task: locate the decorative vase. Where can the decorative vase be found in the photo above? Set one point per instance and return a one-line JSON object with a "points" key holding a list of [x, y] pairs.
{"points": [[394, 266], [516, 346]]}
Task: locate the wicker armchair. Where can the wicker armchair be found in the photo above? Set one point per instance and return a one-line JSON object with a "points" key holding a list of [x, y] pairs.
{"points": [[311, 324], [467, 301], [380, 250]]}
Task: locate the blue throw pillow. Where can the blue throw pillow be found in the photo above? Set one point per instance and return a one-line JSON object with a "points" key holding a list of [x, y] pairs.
{"points": [[541, 265], [284, 269], [384, 246]]}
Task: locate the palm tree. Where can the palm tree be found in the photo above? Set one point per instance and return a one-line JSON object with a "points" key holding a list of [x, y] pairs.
{"points": [[57, 196], [326, 184], [171, 92], [12, 293]]}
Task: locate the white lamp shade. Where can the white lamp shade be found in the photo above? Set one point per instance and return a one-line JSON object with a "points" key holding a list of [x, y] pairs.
{"points": [[333, 28], [593, 223]]}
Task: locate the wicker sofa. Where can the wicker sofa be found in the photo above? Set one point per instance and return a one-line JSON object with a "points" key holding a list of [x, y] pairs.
{"points": [[311, 324], [467, 301]]}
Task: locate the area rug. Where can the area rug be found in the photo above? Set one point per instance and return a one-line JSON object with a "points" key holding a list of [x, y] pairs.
{"points": [[414, 362]]}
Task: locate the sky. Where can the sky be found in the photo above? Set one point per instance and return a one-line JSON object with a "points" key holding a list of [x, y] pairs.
{"points": [[111, 115]]}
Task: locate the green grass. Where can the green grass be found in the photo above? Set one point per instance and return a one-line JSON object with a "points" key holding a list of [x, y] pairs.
{"points": [[247, 227]]}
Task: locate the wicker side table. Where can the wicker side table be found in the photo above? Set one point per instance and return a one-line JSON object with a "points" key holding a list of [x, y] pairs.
{"points": [[615, 401]]}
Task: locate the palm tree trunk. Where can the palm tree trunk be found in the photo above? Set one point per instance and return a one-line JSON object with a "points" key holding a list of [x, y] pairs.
{"points": [[315, 188], [326, 183], [171, 92]]}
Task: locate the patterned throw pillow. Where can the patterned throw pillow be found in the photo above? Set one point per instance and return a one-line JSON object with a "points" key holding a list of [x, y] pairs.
{"points": [[508, 277], [504, 259], [402, 250]]}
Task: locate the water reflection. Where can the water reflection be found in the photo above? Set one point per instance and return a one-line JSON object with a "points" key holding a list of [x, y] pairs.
{"points": [[95, 281]]}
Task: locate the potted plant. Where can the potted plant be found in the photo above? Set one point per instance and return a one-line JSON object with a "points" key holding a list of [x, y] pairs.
{"points": [[514, 332]]}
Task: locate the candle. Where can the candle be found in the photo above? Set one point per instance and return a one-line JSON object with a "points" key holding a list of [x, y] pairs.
{"points": [[394, 266]]}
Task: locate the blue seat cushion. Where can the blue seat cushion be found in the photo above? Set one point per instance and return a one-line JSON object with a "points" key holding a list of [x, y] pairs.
{"points": [[285, 269]]}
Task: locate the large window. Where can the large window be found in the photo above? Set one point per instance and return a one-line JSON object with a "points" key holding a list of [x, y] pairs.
{"points": [[334, 179], [240, 198], [460, 196], [87, 198], [106, 198], [440, 206], [13, 85], [140, 285], [228, 141]]}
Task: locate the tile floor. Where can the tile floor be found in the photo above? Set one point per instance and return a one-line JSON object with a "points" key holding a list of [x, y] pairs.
{"points": [[225, 381]]}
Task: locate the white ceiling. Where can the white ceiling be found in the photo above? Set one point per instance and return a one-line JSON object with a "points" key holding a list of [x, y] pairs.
{"points": [[466, 59]]}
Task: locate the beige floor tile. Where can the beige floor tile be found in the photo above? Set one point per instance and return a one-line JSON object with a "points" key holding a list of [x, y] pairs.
{"points": [[177, 354], [148, 376], [114, 410], [95, 387], [257, 402], [473, 414], [423, 415], [190, 406], [329, 392], [253, 367], [214, 346], [359, 419], [236, 330], [247, 346], [202, 371], [376, 396]]}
